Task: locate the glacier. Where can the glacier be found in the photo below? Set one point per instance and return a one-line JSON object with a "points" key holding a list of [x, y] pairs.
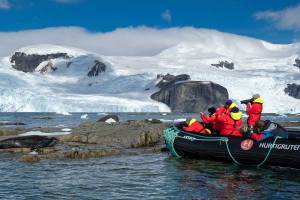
{"points": [[127, 83]]}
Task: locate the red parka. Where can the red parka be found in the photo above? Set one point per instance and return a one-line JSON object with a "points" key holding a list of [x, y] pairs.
{"points": [[230, 124], [257, 136], [196, 127], [212, 120], [225, 110], [254, 111]]}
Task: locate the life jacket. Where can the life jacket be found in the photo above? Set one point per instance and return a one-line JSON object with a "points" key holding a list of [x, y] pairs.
{"points": [[196, 127], [230, 124], [254, 111]]}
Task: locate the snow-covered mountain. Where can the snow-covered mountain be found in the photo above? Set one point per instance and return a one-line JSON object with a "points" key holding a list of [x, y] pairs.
{"points": [[65, 79]]}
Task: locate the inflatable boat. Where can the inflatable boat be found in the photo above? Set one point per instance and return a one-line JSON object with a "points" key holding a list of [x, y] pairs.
{"points": [[274, 151]]}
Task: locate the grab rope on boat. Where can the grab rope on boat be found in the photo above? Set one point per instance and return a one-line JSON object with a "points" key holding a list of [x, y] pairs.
{"points": [[170, 134]]}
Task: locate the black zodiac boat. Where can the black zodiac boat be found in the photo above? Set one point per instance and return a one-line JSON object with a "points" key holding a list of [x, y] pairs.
{"points": [[274, 151]]}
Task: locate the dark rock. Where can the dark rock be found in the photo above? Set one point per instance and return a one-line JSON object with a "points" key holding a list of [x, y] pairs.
{"points": [[68, 64], [153, 121], [12, 124], [42, 117], [48, 68], [107, 117], [120, 136], [28, 63], [169, 79], [28, 142], [191, 96], [297, 63], [224, 64], [97, 69], [293, 90]]}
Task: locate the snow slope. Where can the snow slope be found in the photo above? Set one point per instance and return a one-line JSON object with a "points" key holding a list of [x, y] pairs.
{"points": [[260, 67]]}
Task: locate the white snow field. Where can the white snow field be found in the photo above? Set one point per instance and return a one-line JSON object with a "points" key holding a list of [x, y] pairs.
{"points": [[259, 67]]}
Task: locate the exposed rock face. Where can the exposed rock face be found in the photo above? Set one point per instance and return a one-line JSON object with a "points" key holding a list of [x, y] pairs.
{"points": [[224, 64], [97, 69], [12, 124], [297, 63], [191, 96], [48, 68], [293, 90], [170, 79], [123, 135], [28, 63]]}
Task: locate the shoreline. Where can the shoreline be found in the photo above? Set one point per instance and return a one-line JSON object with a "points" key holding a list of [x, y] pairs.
{"points": [[97, 139]]}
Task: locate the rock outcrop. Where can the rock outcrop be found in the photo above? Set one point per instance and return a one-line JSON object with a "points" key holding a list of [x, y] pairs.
{"points": [[169, 79], [293, 90], [47, 68], [97, 69], [297, 63], [28, 63], [224, 64], [122, 135], [191, 96], [109, 119]]}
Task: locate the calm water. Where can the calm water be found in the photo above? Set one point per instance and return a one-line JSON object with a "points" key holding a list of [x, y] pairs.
{"points": [[58, 120], [143, 176], [137, 175]]}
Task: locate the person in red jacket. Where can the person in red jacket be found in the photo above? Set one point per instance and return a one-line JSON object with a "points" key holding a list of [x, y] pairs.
{"points": [[254, 110], [226, 108], [231, 124], [196, 127], [265, 129], [210, 120]]}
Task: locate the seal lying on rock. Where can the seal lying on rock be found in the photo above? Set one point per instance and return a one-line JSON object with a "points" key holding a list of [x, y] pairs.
{"points": [[32, 142]]}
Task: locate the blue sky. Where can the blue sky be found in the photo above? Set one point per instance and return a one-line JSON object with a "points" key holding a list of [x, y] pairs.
{"points": [[25, 22], [234, 16]]}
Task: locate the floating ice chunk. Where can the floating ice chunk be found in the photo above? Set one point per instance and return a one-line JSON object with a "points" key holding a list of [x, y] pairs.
{"points": [[110, 121], [63, 113], [44, 134], [102, 114], [85, 116], [179, 120], [33, 153], [66, 129]]}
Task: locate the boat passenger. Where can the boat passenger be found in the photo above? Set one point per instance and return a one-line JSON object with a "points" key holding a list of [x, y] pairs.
{"points": [[210, 120], [254, 109], [231, 124], [196, 127], [264, 129], [226, 108]]}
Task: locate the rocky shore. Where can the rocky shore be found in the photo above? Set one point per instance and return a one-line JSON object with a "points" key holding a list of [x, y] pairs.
{"points": [[98, 139], [93, 140]]}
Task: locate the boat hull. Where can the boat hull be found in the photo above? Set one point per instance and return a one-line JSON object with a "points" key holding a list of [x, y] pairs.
{"points": [[245, 151]]}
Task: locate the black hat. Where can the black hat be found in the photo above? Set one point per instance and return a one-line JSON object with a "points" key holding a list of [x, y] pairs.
{"points": [[211, 110]]}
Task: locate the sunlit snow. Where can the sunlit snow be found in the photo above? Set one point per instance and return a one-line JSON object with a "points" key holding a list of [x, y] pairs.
{"points": [[128, 82]]}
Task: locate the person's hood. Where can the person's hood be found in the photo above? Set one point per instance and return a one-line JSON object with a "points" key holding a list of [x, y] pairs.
{"points": [[233, 105], [258, 100], [236, 116]]}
